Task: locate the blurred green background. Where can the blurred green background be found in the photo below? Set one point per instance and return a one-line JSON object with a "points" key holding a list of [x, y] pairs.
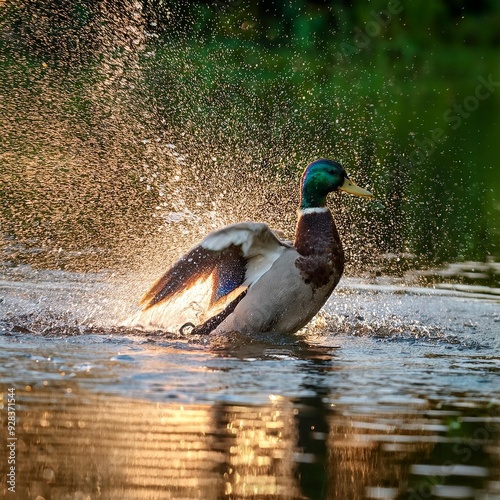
{"points": [[118, 117]]}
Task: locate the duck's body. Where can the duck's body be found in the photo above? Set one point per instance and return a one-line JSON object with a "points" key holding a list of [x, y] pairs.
{"points": [[300, 280], [242, 278]]}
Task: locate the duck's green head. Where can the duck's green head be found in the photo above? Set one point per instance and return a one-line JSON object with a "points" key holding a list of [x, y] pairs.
{"points": [[322, 177]]}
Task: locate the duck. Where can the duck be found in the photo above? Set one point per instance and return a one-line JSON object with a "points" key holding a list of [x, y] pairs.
{"points": [[243, 279]]}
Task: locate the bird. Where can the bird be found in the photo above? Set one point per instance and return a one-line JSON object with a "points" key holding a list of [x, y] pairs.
{"points": [[242, 278]]}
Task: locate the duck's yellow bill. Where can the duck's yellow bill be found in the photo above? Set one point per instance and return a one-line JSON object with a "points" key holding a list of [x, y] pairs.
{"points": [[350, 187]]}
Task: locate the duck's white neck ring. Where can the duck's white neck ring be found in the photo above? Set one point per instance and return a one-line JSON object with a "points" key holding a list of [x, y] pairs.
{"points": [[313, 210]]}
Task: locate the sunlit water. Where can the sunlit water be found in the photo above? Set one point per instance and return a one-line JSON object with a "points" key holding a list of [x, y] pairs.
{"points": [[393, 392]]}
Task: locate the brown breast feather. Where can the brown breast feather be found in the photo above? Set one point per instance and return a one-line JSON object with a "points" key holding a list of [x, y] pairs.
{"points": [[321, 260]]}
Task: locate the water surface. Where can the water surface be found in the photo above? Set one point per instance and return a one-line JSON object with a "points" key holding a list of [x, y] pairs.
{"points": [[393, 392]]}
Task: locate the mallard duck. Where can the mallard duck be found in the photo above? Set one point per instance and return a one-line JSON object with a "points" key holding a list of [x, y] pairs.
{"points": [[242, 278]]}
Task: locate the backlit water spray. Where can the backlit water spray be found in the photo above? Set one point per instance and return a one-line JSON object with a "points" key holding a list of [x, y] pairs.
{"points": [[120, 152], [130, 132]]}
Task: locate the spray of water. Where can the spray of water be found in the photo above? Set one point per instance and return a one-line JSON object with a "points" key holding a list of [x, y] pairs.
{"points": [[130, 131]]}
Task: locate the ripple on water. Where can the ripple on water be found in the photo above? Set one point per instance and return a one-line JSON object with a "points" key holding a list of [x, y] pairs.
{"points": [[376, 396]]}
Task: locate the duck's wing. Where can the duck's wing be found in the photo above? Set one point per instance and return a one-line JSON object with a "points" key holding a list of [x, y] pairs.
{"points": [[211, 275]]}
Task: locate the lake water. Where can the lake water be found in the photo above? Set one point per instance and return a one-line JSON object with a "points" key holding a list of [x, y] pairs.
{"points": [[392, 393]]}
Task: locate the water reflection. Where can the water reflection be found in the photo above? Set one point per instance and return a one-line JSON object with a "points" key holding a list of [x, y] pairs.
{"points": [[75, 443]]}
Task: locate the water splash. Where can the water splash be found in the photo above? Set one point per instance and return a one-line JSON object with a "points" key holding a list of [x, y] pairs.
{"points": [[124, 149], [131, 132]]}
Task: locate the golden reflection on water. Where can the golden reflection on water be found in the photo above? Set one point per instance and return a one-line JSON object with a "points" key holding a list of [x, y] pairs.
{"points": [[73, 444], [87, 445]]}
